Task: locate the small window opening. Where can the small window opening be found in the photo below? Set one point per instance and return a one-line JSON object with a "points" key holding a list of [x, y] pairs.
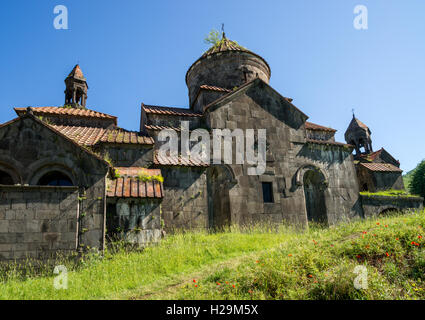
{"points": [[267, 192]]}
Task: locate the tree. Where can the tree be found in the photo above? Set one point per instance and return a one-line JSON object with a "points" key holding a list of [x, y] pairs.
{"points": [[417, 184], [213, 37]]}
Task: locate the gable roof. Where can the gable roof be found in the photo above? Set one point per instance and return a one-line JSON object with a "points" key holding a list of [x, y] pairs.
{"points": [[171, 111], [29, 114], [330, 143], [89, 136], [177, 161], [246, 85], [314, 126], [75, 112], [373, 156], [380, 167]]}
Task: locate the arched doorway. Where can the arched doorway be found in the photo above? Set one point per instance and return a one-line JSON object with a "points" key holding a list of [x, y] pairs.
{"points": [[5, 178], [55, 178], [314, 191], [219, 181]]}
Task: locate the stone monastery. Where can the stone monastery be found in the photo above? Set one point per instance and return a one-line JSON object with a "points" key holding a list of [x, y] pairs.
{"points": [[71, 178]]}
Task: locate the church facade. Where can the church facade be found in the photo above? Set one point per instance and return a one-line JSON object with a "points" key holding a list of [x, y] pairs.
{"points": [[70, 177]]}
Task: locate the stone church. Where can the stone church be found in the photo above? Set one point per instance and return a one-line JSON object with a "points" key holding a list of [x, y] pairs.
{"points": [[71, 178]]}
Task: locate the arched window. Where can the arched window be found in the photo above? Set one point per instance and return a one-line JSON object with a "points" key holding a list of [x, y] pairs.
{"points": [[5, 178], [55, 178]]}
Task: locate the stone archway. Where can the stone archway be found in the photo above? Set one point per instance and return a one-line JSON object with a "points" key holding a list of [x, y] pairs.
{"points": [[220, 179], [314, 191]]}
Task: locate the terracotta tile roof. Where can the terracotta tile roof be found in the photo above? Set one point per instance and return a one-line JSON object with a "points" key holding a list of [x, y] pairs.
{"points": [[331, 143], [126, 137], [89, 136], [170, 111], [159, 128], [86, 136], [381, 167], [76, 73], [313, 126], [214, 88], [128, 185], [86, 113], [361, 124], [371, 156], [176, 161]]}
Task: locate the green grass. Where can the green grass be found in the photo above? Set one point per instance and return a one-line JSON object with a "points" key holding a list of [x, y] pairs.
{"points": [[252, 264], [388, 193]]}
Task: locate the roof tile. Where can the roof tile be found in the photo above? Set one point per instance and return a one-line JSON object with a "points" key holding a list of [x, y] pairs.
{"points": [[381, 167], [170, 111]]}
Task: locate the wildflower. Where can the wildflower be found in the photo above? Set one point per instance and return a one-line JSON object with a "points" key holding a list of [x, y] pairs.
{"points": [[419, 237], [196, 285], [358, 256], [218, 283], [310, 276], [257, 261], [386, 226], [233, 286], [387, 254], [289, 255], [332, 245], [367, 246], [227, 282], [194, 281], [315, 281], [377, 223], [364, 232], [250, 291], [396, 239]]}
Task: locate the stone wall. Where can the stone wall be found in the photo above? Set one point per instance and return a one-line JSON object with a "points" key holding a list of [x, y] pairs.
{"points": [[37, 222], [258, 106], [374, 181], [185, 198], [375, 205], [134, 220], [129, 155], [31, 149]]}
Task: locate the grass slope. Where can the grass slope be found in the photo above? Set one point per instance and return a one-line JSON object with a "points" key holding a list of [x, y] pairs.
{"points": [[253, 264]]}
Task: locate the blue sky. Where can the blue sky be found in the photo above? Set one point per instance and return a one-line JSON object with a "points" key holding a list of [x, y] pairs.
{"points": [[135, 51]]}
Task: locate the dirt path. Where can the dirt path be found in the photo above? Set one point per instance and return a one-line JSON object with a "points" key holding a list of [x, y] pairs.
{"points": [[168, 287]]}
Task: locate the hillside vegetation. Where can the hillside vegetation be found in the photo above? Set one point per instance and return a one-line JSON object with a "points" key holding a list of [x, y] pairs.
{"points": [[255, 263]]}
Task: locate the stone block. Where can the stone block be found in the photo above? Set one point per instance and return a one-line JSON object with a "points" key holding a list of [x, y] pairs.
{"points": [[16, 226]]}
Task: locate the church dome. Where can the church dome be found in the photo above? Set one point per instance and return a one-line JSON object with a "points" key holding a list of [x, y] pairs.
{"points": [[226, 65]]}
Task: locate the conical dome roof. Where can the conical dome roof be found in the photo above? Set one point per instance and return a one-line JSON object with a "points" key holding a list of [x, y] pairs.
{"points": [[226, 45], [76, 73]]}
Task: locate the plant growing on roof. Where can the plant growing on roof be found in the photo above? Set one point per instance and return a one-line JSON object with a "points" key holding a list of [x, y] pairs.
{"points": [[143, 176], [213, 37]]}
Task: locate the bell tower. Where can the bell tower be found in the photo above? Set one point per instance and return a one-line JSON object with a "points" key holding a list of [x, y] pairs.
{"points": [[359, 135], [76, 88]]}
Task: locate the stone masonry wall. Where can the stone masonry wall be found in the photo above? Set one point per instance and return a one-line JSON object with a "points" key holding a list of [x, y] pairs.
{"points": [[36, 222], [375, 205], [185, 198], [30, 150]]}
